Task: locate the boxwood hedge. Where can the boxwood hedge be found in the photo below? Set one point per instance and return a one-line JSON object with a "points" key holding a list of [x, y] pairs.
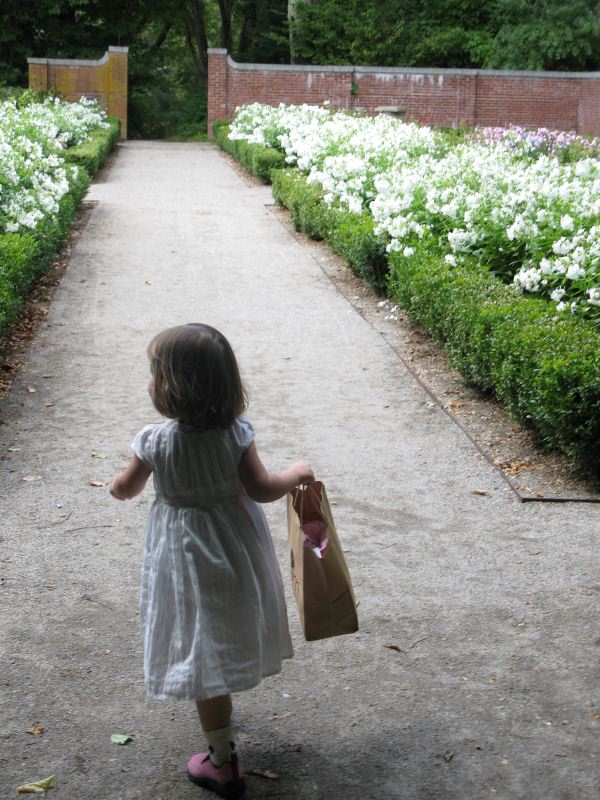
{"points": [[259, 161], [92, 153], [24, 257], [544, 368]]}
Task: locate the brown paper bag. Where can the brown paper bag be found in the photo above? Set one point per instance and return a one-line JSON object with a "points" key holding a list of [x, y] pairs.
{"points": [[320, 577]]}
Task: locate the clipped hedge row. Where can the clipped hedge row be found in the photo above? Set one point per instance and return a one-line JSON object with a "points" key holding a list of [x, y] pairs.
{"points": [[258, 160], [25, 257], [545, 369], [91, 154], [352, 236]]}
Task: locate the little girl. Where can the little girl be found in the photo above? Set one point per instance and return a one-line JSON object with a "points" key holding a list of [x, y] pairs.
{"points": [[212, 608]]}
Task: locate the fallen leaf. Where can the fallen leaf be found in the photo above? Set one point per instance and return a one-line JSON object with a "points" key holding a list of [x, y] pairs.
{"points": [[148, 283], [31, 389], [517, 467], [454, 404], [49, 403], [560, 755], [481, 492], [97, 455], [35, 730], [395, 647], [36, 787], [121, 738], [83, 280], [32, 478], [595, 716], [96, 483], [265, 773], [431, 405], [505, 761], [448, 756], [14, 449]]}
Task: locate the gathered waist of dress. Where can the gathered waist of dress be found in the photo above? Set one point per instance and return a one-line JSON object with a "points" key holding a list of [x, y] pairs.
{"points": [[204, 502]]}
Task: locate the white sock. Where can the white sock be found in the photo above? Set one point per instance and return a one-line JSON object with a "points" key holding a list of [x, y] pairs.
{"points": [[221, 744]]}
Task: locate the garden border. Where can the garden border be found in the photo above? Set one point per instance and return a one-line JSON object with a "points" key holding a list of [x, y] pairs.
{"points": [[25, 257], [523, 498], [315, 218]]}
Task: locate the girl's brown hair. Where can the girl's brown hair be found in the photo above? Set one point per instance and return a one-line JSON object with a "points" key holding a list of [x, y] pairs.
{"points": [[196, 379]]}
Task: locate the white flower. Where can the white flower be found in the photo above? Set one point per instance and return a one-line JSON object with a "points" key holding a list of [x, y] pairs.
{"points": [[575, 272], [566, 222], [450, 259], [594, 296], [504, 198]]}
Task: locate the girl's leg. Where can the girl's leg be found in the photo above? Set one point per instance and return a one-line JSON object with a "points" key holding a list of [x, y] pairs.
{"points": [[218, 770], [215, 713], [215, 718]]}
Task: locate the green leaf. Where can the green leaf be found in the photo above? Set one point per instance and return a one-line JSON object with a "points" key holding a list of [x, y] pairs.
{"points": [[121, 738], [36, 787], [448, 756]]}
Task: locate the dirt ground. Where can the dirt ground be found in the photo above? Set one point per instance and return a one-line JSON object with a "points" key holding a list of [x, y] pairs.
{"points": [[475, 672]]}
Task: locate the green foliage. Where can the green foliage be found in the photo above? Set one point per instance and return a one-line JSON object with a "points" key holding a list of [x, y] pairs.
{"points": [[167, 97], [24, 257], [352, 236], [260, 161], [542, 35], [91, 154], [511, 34], [546, 371], [305, 203]]}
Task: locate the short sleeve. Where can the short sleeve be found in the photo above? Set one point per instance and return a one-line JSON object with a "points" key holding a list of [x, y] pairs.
{"points": [[143, 445], [242, 434]]}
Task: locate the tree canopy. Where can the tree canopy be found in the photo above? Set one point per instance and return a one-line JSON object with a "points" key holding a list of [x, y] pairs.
{"points": [[487, 34]]}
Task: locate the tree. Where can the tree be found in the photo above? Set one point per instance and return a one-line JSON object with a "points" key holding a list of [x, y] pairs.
{"points": [[508, 34]]}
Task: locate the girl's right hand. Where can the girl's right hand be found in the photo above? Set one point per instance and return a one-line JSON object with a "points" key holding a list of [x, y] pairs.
{"points": [[303, 471]]}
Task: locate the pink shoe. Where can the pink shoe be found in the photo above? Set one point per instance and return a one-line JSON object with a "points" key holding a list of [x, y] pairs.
{"points": [[227, 780]]}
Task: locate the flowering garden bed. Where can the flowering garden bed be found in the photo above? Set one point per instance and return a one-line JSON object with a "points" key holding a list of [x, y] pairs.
{"points": [[490, 239], [48, 152]]}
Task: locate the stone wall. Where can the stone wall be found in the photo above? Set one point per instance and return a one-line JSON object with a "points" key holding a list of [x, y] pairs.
{"points": [[443, 97], [104, 80]]}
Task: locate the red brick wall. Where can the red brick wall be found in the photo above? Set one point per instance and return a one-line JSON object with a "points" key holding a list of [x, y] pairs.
{"points": [[569, 101]]}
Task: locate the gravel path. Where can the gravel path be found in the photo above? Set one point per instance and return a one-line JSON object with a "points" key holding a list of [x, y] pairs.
{"points": [[493, 605]]}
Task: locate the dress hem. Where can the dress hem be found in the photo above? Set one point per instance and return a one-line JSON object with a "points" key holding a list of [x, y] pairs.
{"points": [[218, 692]]}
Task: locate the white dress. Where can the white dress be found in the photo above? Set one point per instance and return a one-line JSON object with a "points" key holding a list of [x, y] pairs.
{"points": [[212, 607]]}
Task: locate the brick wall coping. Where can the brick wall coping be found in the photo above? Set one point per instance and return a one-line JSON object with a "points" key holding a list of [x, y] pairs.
{"points": [[79, 62], [507, 73]]}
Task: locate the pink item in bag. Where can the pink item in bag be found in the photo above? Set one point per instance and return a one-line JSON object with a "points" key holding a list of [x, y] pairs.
{"points": [[315, 537]]}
